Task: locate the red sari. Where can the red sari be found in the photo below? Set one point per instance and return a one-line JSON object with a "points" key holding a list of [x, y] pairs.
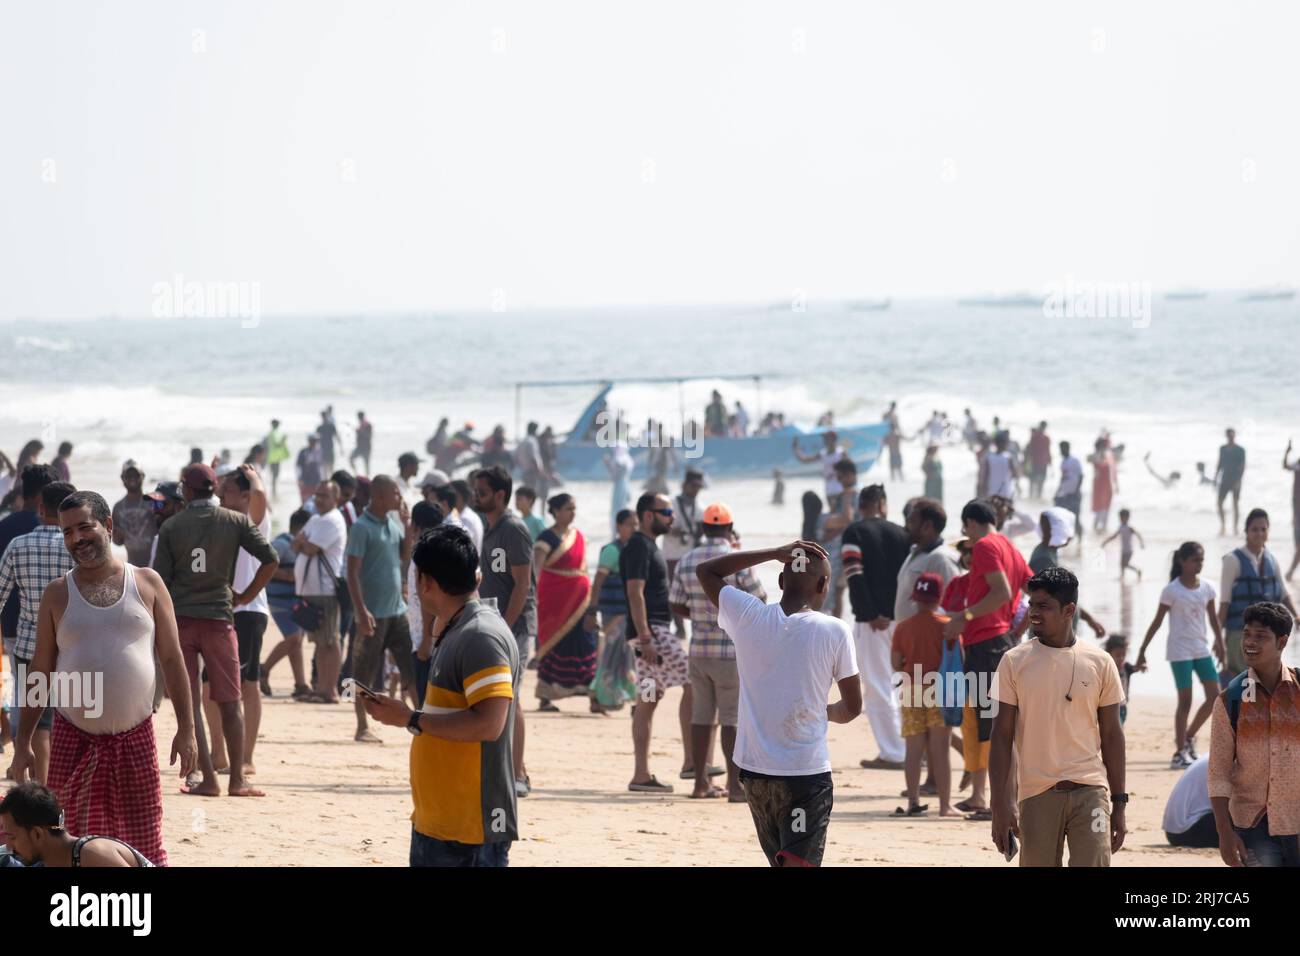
{"points": [[566, 652]]}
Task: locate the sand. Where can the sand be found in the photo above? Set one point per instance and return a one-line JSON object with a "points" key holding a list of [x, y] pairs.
{"points": [[333, 802]]}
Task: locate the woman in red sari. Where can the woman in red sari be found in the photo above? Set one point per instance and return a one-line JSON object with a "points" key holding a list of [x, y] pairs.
{"points": [[566, 650]]}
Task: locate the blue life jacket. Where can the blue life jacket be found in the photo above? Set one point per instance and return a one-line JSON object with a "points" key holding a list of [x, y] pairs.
{"points": [[1251, 588]]}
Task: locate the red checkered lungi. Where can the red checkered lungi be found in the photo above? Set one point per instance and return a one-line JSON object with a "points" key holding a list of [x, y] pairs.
{"points": [[108, 784]]}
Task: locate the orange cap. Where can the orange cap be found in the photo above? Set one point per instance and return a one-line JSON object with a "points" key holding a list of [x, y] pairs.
{"points": [[717, 513]]}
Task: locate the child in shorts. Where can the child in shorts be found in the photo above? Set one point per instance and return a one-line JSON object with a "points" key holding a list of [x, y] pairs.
{"points": [[917, 653], [1126, 533], [1117, 647]]}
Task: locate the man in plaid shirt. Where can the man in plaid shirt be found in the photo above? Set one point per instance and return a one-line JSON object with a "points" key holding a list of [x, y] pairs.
{"points": [[31, 562], [715, 683]]}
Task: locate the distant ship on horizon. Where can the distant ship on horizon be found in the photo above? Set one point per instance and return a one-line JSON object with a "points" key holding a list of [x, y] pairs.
{"points": [[1269, 295], [1016, 300]]}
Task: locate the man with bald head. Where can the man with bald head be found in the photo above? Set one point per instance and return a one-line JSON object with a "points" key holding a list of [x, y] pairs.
{"points": [[378, 548], [316, 573], [788, 655]]}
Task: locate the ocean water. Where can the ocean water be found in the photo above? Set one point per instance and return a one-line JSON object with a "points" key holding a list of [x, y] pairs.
{"points": [[151, 389]]}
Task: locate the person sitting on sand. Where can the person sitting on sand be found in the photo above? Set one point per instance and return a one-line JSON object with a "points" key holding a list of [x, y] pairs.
{"points": [[788, 656], [33, 829]]}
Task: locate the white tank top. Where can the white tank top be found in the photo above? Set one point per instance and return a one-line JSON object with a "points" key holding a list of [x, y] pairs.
{"points": [[104, 677]]}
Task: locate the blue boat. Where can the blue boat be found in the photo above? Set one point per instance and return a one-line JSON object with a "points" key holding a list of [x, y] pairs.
{"points": [[580, 455]]}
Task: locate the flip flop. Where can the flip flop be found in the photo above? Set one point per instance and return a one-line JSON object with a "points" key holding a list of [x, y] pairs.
{"points": [[982, 815], [546, 707], [713, 793], [879, 763], [920, 810], [713, 771]]}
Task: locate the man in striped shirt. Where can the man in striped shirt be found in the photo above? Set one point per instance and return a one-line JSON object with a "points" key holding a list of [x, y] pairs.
{"points": [[30, 563], [715, 682], [462, 769]]}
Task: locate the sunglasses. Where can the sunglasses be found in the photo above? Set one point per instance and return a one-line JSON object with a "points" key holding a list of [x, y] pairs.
{"points": [[666, 512]]}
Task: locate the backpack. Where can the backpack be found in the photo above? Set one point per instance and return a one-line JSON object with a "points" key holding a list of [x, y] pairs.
{"points": [[1236, 690]]}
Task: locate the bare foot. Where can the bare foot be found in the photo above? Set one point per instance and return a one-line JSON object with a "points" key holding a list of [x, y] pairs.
{"points": [[367, 737], [950, 812], [244, 790], [737, 796], [204, 789], [249, 770]]}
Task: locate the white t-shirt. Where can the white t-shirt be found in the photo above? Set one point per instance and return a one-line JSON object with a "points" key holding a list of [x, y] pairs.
{"points": [[329, 533], [828, 460], [1190, 799], [246, 568], [474, 525], [1000, 480], [787, 665], [413, 613], [1187, 620], [1071, 476]]}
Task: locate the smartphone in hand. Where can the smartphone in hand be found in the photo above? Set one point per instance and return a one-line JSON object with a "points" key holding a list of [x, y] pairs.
{"points": [[360, 688], [1012, 846]]}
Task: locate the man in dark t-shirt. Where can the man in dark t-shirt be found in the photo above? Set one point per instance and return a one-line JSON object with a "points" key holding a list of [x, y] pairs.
{"points": [[661, 661], [1231, 469]]}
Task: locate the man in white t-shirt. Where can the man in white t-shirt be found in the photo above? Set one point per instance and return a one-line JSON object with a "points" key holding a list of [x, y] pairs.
{"points": [[242, 490], [320, 545], [1189, 815], [830, 452], [1069, 493], [788, 656]]}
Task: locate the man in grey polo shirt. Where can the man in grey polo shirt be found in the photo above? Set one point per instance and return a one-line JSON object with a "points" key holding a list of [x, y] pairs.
{"points": [[506, 560], [924, 524]]}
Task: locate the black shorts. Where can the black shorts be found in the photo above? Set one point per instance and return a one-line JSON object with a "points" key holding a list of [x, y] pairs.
{"points": [[981, 663], [791, 815], [250, 628], [391, 634], [1229, 488]]}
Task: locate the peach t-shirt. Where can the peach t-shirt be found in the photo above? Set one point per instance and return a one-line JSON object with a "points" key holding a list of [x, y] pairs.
{"points": [[1057, 739]]}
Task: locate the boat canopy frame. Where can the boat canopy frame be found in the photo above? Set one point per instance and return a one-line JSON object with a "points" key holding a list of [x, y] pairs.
{"points": [[606, 383]]}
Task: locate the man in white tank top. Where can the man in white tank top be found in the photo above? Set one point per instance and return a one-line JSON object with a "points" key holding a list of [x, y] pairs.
{"points": [[96, 634]]}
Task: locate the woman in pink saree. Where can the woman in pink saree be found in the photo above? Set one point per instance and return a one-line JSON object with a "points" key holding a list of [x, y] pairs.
{"points": [[566, 650], [1105, 483]]}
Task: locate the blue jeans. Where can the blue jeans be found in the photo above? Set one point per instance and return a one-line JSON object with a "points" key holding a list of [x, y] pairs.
{"points": [[1265, 850], [426, 851]]}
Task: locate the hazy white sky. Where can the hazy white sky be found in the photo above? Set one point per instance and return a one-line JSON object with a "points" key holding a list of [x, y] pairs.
{"points": [[411, 155]]}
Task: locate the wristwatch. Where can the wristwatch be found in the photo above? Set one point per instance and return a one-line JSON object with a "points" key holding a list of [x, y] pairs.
{"points": [[413, 725], [967, 615], [1119, 798]]}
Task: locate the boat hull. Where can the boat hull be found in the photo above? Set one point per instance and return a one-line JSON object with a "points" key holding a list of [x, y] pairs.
{"points": [[751, 457]]}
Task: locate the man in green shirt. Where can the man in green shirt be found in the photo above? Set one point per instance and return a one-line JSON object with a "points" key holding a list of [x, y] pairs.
{"points": [[197, 552], [378, 549]]}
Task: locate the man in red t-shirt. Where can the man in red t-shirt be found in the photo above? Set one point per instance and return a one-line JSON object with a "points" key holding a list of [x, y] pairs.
{"points": [[998, 574]]}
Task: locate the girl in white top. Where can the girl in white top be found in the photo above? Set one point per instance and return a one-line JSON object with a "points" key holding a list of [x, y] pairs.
{"points": [[1189, 602]]}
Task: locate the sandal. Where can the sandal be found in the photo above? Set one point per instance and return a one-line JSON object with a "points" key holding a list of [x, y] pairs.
{"points": [[264, 686], [547, 707], [919, 810], [982, 815], [651, 786], [690, 774]]}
